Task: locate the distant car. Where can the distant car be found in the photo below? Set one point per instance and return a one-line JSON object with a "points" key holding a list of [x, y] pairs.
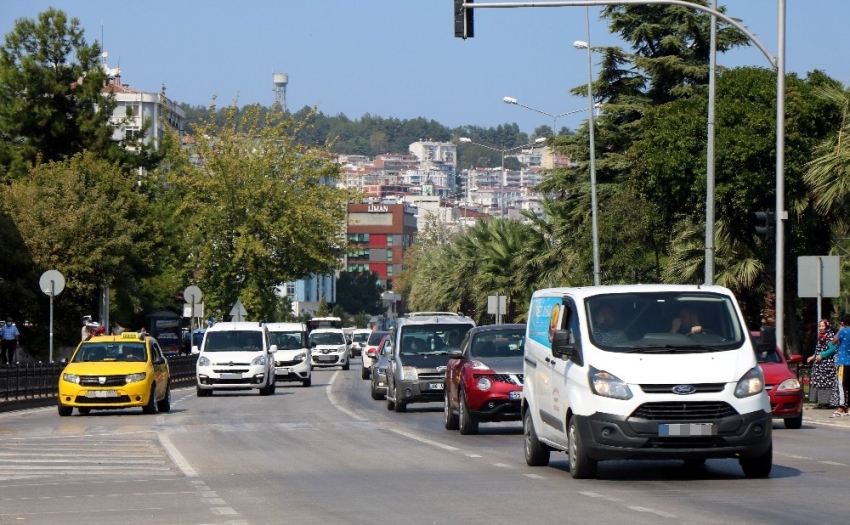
{"points": [[116, 371], [292, 361], [358, 341], [370, 353], [484, 378], [378, 375], [329, 348], [782, 385]]}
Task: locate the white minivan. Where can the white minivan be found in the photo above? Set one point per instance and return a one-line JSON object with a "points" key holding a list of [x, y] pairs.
{"points": [[235, 356], [292, 361], [643, 372]]}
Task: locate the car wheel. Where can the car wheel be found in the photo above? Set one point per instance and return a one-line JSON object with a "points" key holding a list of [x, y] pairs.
{"points": [[307, 382], [202, 392], [449, 418], [165, 404], [64, 411], [581, 466], [390, 404], [364, 372], [266, 390], [150, 408], [347, 365], [759, 466], [536, 453], [84, 411], [374, 391], [466, 424], [400, 407], [794, 423]]}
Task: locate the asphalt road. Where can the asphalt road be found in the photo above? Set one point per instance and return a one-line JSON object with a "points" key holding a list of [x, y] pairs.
{"points": [[331, 454]]}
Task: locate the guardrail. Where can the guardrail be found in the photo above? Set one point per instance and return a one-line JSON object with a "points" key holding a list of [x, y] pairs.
{"points": [[39, 382]]}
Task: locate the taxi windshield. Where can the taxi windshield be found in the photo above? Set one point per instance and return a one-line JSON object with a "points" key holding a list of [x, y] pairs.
{"points": [[110, 352]]}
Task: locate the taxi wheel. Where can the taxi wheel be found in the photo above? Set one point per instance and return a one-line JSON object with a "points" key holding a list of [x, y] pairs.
{"points": [[466, 424], [65, 411], [150, 408], [84, 411], [165, 404]]}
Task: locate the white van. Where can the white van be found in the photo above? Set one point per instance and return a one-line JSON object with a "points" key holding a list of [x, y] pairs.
{"points": [[235, 356], [292, 361], [643, 372]]}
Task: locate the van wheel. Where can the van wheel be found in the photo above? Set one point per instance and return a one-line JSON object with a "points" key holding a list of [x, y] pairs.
{"points": [[307, 382], [581, 466], [165, 404], [390, 402], [364, 372], [449, 418], [84, 411], [466, 424], [64, 411], [202, 392], [400, 407], [536, 453], [150, 408], [759, 466], [794, 423]]}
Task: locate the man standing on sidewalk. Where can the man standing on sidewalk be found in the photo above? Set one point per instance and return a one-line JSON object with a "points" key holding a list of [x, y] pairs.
{"points": [[842, 361], [10, 335]]}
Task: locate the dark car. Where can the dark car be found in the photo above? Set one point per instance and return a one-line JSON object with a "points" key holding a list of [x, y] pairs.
{"points": [[484, 378]]}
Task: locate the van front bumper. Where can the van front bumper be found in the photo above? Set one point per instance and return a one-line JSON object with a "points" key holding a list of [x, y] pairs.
{"points": [[610, 436]]}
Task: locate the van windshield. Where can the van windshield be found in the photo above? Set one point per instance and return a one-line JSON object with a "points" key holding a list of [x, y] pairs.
{"points": [[664, 322], [286, 340], [327, 338], [233, 341]]}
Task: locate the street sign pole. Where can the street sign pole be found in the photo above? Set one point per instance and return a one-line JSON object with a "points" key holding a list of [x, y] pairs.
{"points": [[52, 293], [51, 283]]}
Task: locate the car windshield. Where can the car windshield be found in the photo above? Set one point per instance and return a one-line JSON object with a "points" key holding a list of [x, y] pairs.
{"points": [[499, 343], [664, 322], [427, 339], [360, 338], [375, 338], [233, 341], [286, 340], [108, 352], [327, 338]]}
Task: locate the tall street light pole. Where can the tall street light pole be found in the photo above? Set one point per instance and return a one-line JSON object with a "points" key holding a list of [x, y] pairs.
{"points": [[515, 102], [593, 205]]}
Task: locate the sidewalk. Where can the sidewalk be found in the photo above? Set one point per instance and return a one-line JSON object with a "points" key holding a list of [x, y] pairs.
{"points": [[820, 416]]}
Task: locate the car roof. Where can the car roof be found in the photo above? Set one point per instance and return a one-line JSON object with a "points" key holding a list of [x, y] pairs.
{"points": [[496, 327], [362, 330], [325, 330], [590, 291], [280, 327], [434, 318], [237, 326]]}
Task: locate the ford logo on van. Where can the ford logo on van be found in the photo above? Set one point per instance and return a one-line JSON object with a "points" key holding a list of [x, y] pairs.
{"points": [[684, 389]]}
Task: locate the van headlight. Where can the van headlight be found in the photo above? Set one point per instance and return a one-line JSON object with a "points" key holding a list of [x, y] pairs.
{"points": [[71, 378], [259, 360], [408, 373], [608, 385], [204, 361], [750, 384], [301, 357], [132, 378]]}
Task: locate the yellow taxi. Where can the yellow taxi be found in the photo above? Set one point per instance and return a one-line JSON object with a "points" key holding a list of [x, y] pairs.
{"points": [[116, 371]]}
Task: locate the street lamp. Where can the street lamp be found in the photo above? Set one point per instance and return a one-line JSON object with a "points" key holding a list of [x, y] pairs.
{"points": [[578, 44], [515, 102], [503, 197]]}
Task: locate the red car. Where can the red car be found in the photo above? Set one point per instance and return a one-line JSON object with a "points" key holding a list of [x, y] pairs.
{"points": [[484, 378], [783, 387]]}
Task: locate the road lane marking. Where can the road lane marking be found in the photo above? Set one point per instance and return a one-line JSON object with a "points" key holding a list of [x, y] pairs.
{"points": [[176, 456], [473, 455], [533, 476], [833, 463], [653, 511], [332, 399], [423, 440], [792, 456], [598, 495]]}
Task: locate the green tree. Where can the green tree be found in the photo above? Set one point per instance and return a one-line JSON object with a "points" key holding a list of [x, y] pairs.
{"points": [[359, 292], [323, 309]]}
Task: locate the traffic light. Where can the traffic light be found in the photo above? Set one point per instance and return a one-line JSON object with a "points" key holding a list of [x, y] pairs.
{"points": [[766, 224], [463, 19]]}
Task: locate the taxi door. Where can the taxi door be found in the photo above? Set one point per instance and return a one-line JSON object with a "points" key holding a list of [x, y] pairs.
{"points": [[160, 369]]}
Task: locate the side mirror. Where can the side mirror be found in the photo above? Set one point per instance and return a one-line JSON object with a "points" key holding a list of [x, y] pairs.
{"points": [[159, 360], [312, 344], [563, 349], [196, 350], [272, 349], [796, 359], [455, 354], [767, 340]]}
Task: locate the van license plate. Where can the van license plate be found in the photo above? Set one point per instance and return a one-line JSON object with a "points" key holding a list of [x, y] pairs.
{"points": [[435, 386], [231, 376], [686, 429], [101, 393]]}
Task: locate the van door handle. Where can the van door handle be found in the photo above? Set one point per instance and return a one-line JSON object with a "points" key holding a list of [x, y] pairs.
{"points": [[550, 360]]}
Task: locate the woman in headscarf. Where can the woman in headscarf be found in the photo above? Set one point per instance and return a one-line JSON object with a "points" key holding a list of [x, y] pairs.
{"points": [[822, 382]]}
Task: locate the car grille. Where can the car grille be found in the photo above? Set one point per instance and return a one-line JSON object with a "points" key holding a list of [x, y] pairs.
{"points": [[677, 411], [511, 379], [230, 370], [688, 442], [110, 381], [431, 376], [698, 388], [325, 359], [287, 363], [102, 400]]}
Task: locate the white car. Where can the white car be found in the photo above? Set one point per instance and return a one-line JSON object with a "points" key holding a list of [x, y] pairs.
{"points": [[329, 348], [358, 341], [235, 356], [292, 360], [370, 353]]}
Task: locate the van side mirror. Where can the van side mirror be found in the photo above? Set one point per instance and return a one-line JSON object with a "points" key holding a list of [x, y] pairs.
{"points": [[272, 349], [455, 354], [767, 340], [195, 349], [562, 348]]}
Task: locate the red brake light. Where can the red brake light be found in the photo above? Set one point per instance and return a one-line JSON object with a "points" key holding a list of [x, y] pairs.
{"points": [[371, 352]]}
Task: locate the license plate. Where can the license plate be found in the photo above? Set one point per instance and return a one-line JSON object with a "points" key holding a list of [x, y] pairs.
{"points": [[516, 395], [327, 358], [435, 386], [231, 376], [686, 429], [283, 370], [102, 393]]}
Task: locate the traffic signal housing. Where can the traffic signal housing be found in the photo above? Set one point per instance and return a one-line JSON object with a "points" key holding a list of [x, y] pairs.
{"points": [[463, 19], [766, 224]]}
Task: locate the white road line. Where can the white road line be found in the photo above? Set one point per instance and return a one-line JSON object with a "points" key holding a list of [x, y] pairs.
{"points": [[653, 511], [792, 456], [422, 440], [505, 465], [533, 476], [833, 463], [601, 496], [176, 456], [473, 455], [332, 399], [223, 510]]}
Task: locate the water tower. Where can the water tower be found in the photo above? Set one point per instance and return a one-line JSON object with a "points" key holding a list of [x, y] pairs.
{"points": [[280, 81]]}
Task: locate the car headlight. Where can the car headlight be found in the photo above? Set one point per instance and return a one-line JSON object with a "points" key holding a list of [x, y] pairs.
{"points": [[608, 385], [484, 383], [132, 378], [204, 361], [341, 349], [789, 384], [478, 365], [408, 373], [259, 360], [71, 378], [751, 383], [301, 357]]}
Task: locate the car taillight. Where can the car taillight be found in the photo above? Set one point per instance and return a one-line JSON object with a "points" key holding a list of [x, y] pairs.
{"points": [[370, 352]]}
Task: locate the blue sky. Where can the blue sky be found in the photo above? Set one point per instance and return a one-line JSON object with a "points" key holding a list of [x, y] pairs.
{"points": [[399, 58]]}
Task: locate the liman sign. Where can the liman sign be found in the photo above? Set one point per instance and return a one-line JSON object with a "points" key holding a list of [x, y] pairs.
{"points": [[378, 208]]}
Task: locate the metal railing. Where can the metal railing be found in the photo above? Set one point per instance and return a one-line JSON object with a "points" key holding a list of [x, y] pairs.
{"points": [[41, 380]]}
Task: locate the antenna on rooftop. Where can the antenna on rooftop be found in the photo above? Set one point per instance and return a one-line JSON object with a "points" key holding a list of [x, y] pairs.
{"points": [[280, 81]]}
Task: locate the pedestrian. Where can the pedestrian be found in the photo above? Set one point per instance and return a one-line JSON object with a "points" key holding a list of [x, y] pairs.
{"points": [[10, 338], [842, 363], [822, 382], [143, 332], [117, 329]]}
